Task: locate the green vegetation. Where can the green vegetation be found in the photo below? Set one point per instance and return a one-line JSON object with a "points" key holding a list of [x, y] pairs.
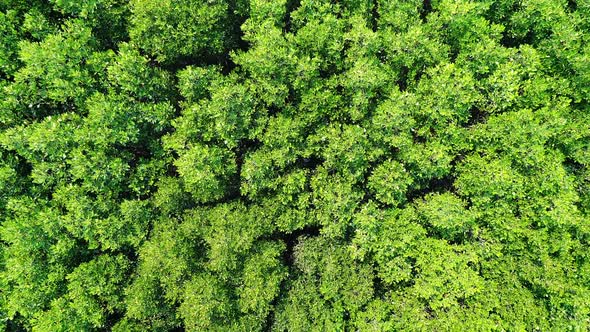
{"points": [[294, 165]]}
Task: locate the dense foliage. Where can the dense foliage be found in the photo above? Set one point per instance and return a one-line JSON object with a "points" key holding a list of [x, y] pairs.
{"points": [[294, 165]]}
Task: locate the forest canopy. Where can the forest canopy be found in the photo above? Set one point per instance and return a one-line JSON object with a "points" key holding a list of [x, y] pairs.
{"points": [[294, 165]]}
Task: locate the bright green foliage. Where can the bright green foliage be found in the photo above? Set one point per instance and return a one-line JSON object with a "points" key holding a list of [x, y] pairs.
{"points": [[390, 182], [206, 172], [30, 278], [8, 43], [446, 215], [108, 18], [327, 288], [171, 30], [206, 305], [94, 291], [262, 277], [57, 71], [278, 165]]}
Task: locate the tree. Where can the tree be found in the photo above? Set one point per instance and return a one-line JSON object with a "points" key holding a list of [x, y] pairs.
{"points": [[172, 30], [254, 165]]}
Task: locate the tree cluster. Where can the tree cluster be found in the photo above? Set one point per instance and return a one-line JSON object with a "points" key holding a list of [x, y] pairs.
{"points": [[294, 165]]}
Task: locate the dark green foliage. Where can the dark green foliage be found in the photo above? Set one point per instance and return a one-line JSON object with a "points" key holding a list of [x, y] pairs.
{"points": [[313, 165]]}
